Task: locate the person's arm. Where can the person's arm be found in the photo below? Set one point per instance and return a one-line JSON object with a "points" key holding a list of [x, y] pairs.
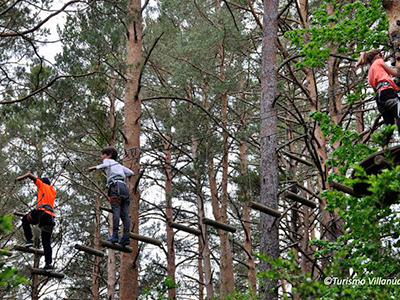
{"points": [[389, 70], [27, 175], [128, 172], [91, 169], [104, 165]]}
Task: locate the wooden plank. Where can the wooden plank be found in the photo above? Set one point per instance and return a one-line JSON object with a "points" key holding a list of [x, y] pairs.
{"points": [[89, 250], [116, 246], [343, 188], [187, 229], [29, 250], [265, 209], [300, 199], [145, 239], [47, 273], [219, 225], [106, 209]]}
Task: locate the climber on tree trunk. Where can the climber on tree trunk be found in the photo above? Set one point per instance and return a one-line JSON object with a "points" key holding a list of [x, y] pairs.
{"points": [[379, 77], [43, 215]]}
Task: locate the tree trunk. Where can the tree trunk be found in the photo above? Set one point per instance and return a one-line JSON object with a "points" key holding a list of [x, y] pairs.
{"points": [[227, 274], [169, 214], [111, 261], [97, 259], [204, 250], [111, 269], [250, 263], [269, 238], [129, 265], [226, 267], [35, 277]]}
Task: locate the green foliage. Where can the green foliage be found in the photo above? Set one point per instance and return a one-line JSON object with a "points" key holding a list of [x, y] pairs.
{"points": [[160, 290], [349, 23], [349, 152], [9, 277]]}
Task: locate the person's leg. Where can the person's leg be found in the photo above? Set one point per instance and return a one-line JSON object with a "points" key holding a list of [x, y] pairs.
{"points": [[46, 226], [389, 119], [116, 210], [30, 218], [126, 221]]}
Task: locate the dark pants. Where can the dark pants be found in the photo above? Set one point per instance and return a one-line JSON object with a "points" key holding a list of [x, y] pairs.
{"points": [[387, 106], [119, 198], [46, 224]]}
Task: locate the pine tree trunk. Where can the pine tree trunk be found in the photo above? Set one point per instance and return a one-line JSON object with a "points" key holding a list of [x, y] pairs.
{"points": [[97, 259], [111, 267], [251, 266], [226, 267], [129, 266], [169, 214], [35, 277], [204, 250], [111, 261], [269, 238]]}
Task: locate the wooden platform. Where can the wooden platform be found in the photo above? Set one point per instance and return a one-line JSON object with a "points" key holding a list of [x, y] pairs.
{"points": [[89, 250], [117, 247], [29, 250], [375, 164], [51, 273]]}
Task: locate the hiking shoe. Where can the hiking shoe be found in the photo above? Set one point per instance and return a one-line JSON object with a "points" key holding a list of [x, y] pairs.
{"points": [[124, 240], [113, 238], [28, 243], [48, 267]]}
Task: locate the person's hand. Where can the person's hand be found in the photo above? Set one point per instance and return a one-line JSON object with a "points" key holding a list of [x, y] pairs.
{"points": [[91, 169]]}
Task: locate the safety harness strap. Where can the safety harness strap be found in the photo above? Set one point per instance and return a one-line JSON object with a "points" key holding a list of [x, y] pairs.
{"points": [[46, 206], [382, 84]]}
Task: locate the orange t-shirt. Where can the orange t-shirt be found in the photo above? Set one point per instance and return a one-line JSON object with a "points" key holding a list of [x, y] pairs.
{"points": [[377, 73], [46, 195]]}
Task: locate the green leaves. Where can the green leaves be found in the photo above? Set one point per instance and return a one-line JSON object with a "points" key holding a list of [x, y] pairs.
{"points": [[354, 26]]}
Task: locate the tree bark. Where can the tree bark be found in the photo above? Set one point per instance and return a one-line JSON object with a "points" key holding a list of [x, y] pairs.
{"points": [[204, 250], [97, 259], [169, 214], [111, 261], [269, 238], [129, 265]]}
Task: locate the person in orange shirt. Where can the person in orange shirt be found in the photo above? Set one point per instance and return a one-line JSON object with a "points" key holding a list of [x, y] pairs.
{"points": [[43, 215], [380, 79]]}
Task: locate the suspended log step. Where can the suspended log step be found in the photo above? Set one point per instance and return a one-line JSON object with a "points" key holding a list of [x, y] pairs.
{"points": [[343, 188], [185, 228], [29, 250], [300, 199], [265, 209], [19, 214], [145, 239], [106, 209], [89, 250], [47, 273], [296, 158], [117, 247], [219, 225]]}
